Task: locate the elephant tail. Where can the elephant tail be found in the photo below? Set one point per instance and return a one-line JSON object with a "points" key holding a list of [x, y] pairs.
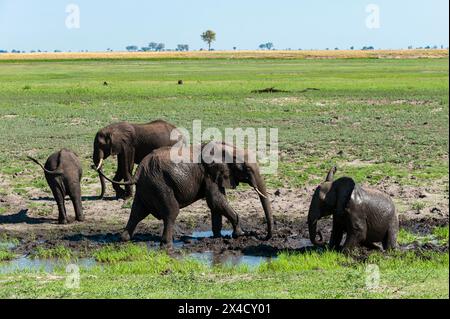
{"points": [[57, 171], [127, 183]]}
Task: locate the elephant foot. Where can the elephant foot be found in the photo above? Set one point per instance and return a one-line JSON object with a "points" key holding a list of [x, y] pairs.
{"points": [[63, 221], [238, 233], [80, 218], [123, 196], [125, 236], [268, 236], [166, 246]]}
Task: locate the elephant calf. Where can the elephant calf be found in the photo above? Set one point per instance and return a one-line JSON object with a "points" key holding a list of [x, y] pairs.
{"points": [[63, 174], [367, 216]]}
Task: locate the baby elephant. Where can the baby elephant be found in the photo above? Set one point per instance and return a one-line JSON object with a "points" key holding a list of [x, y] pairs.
{"points": [[63, 174], [367, 216]]}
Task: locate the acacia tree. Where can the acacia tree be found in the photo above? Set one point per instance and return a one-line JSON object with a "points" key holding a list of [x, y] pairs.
{"points": [[209, 37]]}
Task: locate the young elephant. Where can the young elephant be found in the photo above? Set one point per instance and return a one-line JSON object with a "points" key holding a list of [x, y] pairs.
{"points": [[367, 216], [63, 174], [164, 186]]}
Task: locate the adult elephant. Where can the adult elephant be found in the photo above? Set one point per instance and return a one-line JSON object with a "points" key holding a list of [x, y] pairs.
{"points": [[165, 185], [131, 143]]}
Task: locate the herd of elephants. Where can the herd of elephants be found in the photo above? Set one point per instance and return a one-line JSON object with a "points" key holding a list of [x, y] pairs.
{"points": [[163, 187]]}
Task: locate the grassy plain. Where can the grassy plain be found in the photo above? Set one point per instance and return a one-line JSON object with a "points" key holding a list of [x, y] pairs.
{"points": [[380, 120]]}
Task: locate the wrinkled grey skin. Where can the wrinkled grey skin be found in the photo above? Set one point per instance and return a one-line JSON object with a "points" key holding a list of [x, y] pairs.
{"points": [[164, 187], [367, 216], [63, 174], [131, 143]]}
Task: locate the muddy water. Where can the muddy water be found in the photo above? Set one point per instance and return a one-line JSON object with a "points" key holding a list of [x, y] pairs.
{"points": [[209, 258], [42, 265]]}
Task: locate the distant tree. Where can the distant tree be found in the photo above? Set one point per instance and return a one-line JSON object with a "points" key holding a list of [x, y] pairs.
{"points": [[368, 48], [182, 47], [152, 46], [132, 48], [145, 49], [410, 47], [160, 47], [234, 48], [352, 48], [209, 37], [3, 51], [336, 48], [262, 46], [269, 45]]}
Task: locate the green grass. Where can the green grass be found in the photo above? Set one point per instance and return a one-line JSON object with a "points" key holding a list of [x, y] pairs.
{"points": [[439, 234], [391, 115], [60, 252], [6, 254], [139, 273], [377, 119]]}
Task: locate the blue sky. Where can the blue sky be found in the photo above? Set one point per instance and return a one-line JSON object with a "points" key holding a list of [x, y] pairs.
{"points": [[306, 24]]}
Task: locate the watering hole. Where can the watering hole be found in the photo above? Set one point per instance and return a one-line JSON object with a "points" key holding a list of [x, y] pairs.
{"points": [[209, 258]]}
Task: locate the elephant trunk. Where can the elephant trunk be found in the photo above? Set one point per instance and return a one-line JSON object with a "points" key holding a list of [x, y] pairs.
{"points": [[98, 162], [313, 216], [260, 188]]}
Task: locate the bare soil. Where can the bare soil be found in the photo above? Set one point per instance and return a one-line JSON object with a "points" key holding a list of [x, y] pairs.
{"points": [[33, 220]]}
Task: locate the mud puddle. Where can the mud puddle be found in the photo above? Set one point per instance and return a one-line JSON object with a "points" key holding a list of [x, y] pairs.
{"points": [[28, 264], [211, 259]]}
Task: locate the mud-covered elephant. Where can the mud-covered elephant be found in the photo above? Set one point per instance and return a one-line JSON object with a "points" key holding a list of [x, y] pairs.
{"points": [[63, 174], [367, 216], [131, 143], [164, 186]]}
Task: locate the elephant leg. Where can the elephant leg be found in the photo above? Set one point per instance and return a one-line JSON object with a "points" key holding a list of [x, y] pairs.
{"points": [[167, 235], [353, 241], [390, 240], [216, 224], [138, 213], [336, 235], [76, 201], [59, 198], [120, 193], [128, 172], [75, 197], [218, 204]]}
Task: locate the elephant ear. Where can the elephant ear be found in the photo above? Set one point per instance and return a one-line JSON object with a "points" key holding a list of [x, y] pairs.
{"points": [[221, 175], [217, 164], [121, 138], [340, 194]]}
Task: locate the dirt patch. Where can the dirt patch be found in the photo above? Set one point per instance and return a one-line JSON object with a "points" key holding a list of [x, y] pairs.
{"points": [[34, 222]]}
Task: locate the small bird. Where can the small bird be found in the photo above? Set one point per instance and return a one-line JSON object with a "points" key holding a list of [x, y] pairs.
{"points": [[180, 82], [105, 83]]}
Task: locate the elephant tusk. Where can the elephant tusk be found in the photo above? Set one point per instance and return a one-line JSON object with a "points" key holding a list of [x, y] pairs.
{"points": [[259, 192], [99, 164]]}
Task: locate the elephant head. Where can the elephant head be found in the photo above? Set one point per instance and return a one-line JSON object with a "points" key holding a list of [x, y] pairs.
{"points": [[111, 140], [234, 167], [330, 197]]}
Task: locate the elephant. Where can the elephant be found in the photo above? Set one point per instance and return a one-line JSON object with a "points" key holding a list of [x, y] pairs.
{"points": [[63, 173], [367, 216], [164, 186], [131, 143]]}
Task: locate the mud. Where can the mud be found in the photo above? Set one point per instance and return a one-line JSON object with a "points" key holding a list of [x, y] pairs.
{"points": [[32, 221]]}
